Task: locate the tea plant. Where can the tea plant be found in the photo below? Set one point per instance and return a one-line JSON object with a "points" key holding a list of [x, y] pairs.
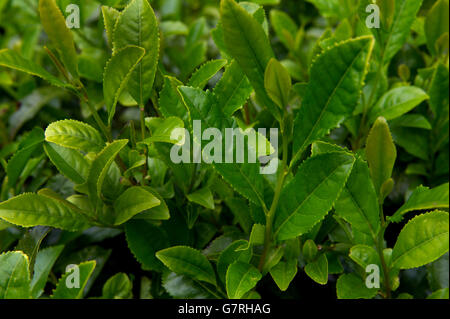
{"points": [[359, 197]]}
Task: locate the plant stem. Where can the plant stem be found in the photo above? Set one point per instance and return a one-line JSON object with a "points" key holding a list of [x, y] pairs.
{"points": [[145, 169], [379, 243]]}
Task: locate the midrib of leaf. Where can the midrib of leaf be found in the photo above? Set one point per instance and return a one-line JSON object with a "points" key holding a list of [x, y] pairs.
{"points": [[189, 263], [241, 281], [306, 199], [12, 275], [362, 213], [324, 109], [420, 244], [233, 92], [140, 45], [390, 31]]}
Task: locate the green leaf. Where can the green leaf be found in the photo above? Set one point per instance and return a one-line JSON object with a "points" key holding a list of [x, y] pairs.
{"points": [[100, 167], [439, 93], [330, 8], [170, 102], [137, 25], [309, 250], [302, 205], [204, 73], [118, 286], [249, 45], [233, 89], [45, 260], [60, 36], [283, 273], [182, 287], [438, 274], [30, 210], [436, 24], [424, 239], [424, 198], [68, 161], [187, 261], [84, 270], [118, 72], [203, 197], [364, 255], [441, 293], [278, 83], [162, 130], [133, 201], [397, 102], [350, 286], [381, 154], [74, 134], [358, 203], [241, 278], [144, 240], [231, 254], [284, 26], [333, 91], [14, 276], [318, 270], [19, 160], [110, 16], [13, 60], [160, 212]]}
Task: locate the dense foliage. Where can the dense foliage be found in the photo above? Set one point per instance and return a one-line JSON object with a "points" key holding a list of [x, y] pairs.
{"points": [[88, 178]]}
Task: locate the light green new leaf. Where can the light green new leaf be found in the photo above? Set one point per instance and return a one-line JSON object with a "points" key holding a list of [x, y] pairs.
{"points": [[74, 134], [283, 273], [170, 101], [424, 239], [424, 198], [278, 83], [13, 60], [381, 154], [318, 270], [187, 261], [110, 16], [118, 71], [364, 255], [302, 205], [100, 167], [439, 93], [137, 25], [162, 130], [144, 239], [118, 286], [203, 197], [231, 254], [29, 210], [350, 286], [397, 102], [14, 276], [200, 78], [133, 201], [249, 45], [241, 278], [436, 24], [284, 26], [45, 260], [358, 203], [68, 161], [60, 36], [441, 293], [160, 212], [82, 272], [333, 91], [233, 89]]}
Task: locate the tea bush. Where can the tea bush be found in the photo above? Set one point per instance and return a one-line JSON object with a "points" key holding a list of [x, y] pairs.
{"points": [[96, 200]]}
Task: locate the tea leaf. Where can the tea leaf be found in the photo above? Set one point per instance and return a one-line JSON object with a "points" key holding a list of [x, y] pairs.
{"points": [[350, 286], [241, 278], [283, 273], [318, 270], [278, 83], [203, 197], [201, 77], [118, 286], [45, 260], [14, 276], [62, 291], [436, 24]]}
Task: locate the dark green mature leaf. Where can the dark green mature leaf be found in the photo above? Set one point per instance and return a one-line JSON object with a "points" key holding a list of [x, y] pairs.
{"points": [[439, 95], [318, 270], [203, 197], [182, 287], [436, 24], [74, 134], [381, 154], [30, 210], [247, 42], [60, 36], [424, 198], [241, 278], [358, 203], [118, 72], [397, 102], [13, 60], [68, 161], [144, 240], [333, 91], [100, 167], [137, 25], [350, 286], [302, 205], [170, 102], [14, 276], [187, 261], [424, 239], [233, 89], [231, 254], [45, 260], [278, 83], [84, 271], [133, 201]]}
